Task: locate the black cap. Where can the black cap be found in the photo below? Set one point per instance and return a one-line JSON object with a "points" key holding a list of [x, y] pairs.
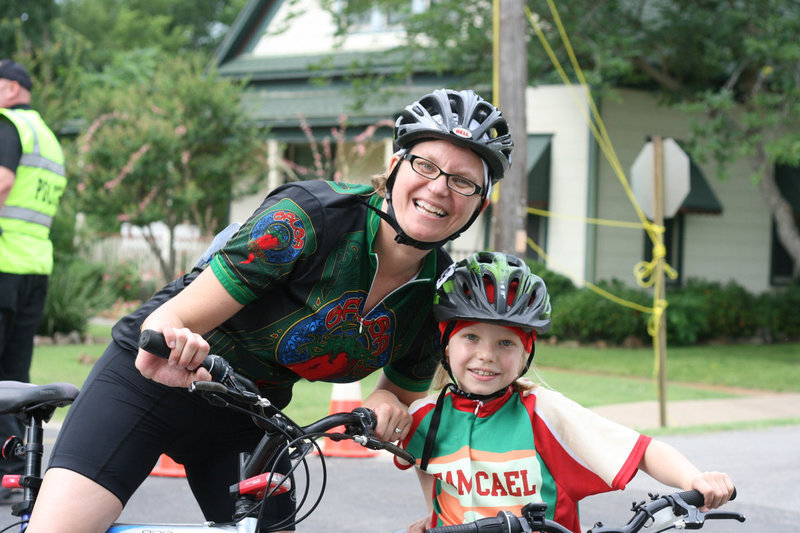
{"points": [[11, 70]]}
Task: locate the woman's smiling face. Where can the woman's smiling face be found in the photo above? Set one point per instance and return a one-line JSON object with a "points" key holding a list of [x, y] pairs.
{"points": [[428, 210]]}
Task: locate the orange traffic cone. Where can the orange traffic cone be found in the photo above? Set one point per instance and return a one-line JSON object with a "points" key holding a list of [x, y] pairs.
{"points": [[166, 467], [344, 398]]}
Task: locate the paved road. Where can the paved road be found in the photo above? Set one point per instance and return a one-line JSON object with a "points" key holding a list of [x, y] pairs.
{"points": [[371, 495]]}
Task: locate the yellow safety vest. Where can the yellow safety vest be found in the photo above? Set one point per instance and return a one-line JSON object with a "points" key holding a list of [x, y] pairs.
{"points": [[27, 215]]}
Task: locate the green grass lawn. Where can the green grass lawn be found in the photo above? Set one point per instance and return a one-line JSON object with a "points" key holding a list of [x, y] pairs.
{"points": [[774, 367], [590, 376]]}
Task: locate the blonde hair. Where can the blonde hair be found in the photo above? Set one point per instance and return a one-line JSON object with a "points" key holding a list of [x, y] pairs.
{"points": [[379, 183]]}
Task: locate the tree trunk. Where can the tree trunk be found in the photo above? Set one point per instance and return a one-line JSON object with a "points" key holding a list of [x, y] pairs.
{"points": [[153, 245]]}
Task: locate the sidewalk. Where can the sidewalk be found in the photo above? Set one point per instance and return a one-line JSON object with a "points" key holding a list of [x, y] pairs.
{"points": [[747, 408]]}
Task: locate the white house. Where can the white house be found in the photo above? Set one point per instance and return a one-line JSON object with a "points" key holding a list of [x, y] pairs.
{"points": [[723, 231]]}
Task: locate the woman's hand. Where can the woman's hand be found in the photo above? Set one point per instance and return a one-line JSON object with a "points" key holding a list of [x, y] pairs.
{"points": [[392, 415], [717, 488], [188, 350], [390, 404]]}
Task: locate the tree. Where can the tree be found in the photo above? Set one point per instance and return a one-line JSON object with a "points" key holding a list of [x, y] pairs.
{"points": [[170, 26], [24, 24], [735, 61], [164, 148]]}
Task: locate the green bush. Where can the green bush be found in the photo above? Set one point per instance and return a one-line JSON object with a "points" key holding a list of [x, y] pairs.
{"points": [[75, 293], [730, 311], [780, 312], [123, 281], [698, 312], [585, 316], [557, 284], [687, 318]]}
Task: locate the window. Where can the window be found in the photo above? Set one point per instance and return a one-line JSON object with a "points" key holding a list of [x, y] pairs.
{"points": [[673, 242], [538, 191], [298, 163], [378, 18], [781, 265]]}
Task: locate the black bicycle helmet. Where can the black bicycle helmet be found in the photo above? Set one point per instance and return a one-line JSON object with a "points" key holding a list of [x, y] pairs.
{"points": [[493, 287], [463, 118]]}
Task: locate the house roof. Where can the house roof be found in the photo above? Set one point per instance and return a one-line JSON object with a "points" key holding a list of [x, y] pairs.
{"points": [[284, 88]]}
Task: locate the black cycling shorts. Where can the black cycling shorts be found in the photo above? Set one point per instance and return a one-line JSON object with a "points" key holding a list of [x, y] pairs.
{"points": [[122, 422]]}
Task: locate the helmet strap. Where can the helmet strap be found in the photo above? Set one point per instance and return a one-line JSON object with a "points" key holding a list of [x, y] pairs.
{"points": [[436, 417], [529, 361]]}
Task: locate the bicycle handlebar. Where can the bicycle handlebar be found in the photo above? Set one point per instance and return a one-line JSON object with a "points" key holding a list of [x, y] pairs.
{"points": [[359, 422], [681, 507]]}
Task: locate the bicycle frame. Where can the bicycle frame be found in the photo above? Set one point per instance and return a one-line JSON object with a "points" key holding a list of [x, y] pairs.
{"points": [[248, 525], [36, 404]]}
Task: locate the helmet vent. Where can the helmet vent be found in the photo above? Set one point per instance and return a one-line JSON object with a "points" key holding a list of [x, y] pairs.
{"points": [[512, 292], [488, 285], [465, 290]]}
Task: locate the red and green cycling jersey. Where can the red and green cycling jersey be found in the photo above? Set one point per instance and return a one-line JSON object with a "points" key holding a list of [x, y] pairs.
{"points": [[521, 448], [303, 266]]}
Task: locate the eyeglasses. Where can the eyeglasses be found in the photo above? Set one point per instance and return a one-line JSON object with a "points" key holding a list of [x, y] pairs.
{"points": [[430, 170]]}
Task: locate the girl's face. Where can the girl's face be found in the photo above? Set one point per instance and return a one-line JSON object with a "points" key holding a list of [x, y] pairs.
{"points": [[428, 210], [485, 358]]}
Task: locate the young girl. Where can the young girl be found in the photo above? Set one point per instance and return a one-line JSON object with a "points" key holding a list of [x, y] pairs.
{"points": [[493, 442]]}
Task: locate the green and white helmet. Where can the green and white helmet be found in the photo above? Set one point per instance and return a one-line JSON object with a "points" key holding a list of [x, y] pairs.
{"points": [[493, 287]]}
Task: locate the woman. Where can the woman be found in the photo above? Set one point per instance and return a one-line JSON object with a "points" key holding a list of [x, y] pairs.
{"points": [[325, 281]]}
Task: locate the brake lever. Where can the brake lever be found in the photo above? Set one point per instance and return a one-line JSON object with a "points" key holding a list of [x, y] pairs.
{"points": [[724, 515], [694, 517], [366, 420], [221, 394], [374, 443]]}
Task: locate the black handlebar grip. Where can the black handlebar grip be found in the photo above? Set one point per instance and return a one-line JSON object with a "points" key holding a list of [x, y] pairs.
{"points": [[695, 497], [692, 497], [458, 528], [153, 341], [508, 523]]}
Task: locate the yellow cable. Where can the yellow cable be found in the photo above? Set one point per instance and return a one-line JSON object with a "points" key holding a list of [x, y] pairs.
{"points": [[601, 135], [596, 221], [591, 286], [643, 270]]}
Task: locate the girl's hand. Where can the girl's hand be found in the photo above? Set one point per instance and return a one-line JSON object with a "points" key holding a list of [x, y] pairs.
{"points": [[419, 525], [717, 487], [183, 366]]}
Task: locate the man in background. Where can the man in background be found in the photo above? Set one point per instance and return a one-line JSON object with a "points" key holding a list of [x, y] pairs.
{"points": [[32, 180]]}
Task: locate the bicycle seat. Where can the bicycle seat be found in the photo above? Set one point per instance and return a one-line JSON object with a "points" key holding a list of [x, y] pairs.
{"points": [[17, 397]]}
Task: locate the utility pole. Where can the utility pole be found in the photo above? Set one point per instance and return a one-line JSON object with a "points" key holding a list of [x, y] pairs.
{"points": [[660, 339], [510, 211]]}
